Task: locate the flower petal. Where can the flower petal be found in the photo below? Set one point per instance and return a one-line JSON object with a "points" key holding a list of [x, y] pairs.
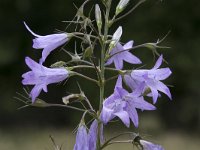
{"points": [[128, 45], [118, 62], [162, 74], [47, 50], [35, 92], [119, 82], [81, 139], [130, 58], [158, 62], [32, 64], [163, 88], [123, 115], [132, 113], [92, 135]]}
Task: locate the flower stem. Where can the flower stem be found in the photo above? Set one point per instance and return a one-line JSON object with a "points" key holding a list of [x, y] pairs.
{"points": [[102, 68], [65, 106], [86, 77]]}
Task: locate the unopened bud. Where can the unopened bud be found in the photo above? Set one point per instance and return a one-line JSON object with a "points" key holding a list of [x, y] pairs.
{"points": [[116, 37], [121, 6], [58, 64], [88, 52], [40, 103], [98, 17], [67, 99]]}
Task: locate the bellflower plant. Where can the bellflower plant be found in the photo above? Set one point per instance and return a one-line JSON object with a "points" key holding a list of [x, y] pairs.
{"points": [[93, 32]]}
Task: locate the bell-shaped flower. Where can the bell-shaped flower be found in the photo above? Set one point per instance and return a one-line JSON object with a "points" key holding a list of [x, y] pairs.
{"points": [[41, 76], [87, 141], [152, 79], [48, 42], [120, 54], [150, 146], [81, 139], [123, 105]]}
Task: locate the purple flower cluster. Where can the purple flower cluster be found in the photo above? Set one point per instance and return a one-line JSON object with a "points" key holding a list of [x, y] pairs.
{"points": [[41, 76], [123, 104]]}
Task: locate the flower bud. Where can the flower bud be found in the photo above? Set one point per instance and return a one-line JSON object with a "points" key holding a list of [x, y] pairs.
{"points": [[39, 103], [116, 37], [98, 17], [120, 7]]}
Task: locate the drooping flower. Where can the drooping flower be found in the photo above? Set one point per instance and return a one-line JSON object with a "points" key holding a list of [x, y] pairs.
{"points": [[123, 105], [41, 76], [150, 146], [81, 139], [152, 79], [48, 42], [87, 141], [119, 55]]}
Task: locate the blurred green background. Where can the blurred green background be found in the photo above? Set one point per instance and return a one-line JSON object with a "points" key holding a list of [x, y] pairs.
{"points": [[176, 121]]}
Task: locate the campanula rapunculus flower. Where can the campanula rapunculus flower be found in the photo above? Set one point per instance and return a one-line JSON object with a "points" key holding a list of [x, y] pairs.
{"points": [[123, 105], [41, 76], [92, 135], [87, 141], [48, 42], [152, 79], [81, 139], [150, 146], [122, 55]]}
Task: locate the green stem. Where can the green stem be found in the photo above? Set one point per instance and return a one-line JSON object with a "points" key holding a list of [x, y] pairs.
{"points": [[82, 66], [65, 106], [93, 67], [102, 68], [86, 77]]}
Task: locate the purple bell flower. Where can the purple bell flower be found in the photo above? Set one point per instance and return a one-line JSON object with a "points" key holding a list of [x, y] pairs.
{"points": [[122, 56], [41, 76], [48, 42], [150, 146], [87, 141], [152, 79], [123, 105], [81, 139]]}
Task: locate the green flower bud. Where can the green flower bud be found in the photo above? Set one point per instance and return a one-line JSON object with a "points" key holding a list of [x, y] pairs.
{"points": [[98, 17], [116, 37], [120, 7]]}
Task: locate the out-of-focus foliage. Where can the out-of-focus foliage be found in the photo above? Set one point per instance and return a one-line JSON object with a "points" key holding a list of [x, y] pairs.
{"points": [[149, 22]]}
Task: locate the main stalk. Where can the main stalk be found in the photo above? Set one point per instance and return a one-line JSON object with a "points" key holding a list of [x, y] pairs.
{"points": [[102, 68]]}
